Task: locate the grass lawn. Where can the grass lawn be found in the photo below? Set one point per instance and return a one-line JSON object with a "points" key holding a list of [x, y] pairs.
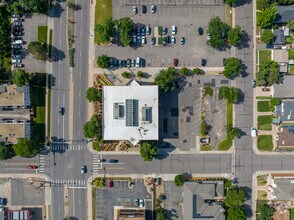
{"points": [[265, 143], [261, 180], [263, 106], [292, 214], [228, 142], [42, 33], [103, 10], [264, 122], [206, 148], [289, 40], [264, 55], [292, 69]]}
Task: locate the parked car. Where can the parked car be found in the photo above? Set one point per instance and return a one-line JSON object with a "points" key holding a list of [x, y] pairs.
{"points": [[175, 62], [83, 169], [16, 56], [138, 61], [182, 40], [17, 42], [143, 40], [143, 31], [164, 30], [203, 62], [134, 40], [16, 52], [124, 63], [17, 33], [17, 65], [113, 161], [148, 30], [136, 202], [253, 83], [129, 63], [141, 203], [16, 19], [115, 63], [142, 62], [200, 31], [17, 23], [15, 61], [266, 89], [133, 62], [3, 201], [16, 46], [32, 167], [144, 9], [17, 28], [111, 64], [61, 111], [153, 8], [120, 64], [135, 10], [174, 30], [173, 40], [152, 41], [139, 40], [253, 132], [208, 36], [164, 40], [138, 31], [110, 183]]}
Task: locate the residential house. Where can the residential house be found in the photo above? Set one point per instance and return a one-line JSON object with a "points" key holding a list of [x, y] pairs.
{"points": [[281, 57], [282, 189], [285, 89], [284, 14]]}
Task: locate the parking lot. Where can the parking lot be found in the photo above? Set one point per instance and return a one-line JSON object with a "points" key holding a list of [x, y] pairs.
{"points": [[180, 112], [187, 18], [120, 195], [173, 200]]}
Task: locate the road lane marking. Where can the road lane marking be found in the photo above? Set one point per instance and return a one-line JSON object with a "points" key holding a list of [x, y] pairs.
{"points": [[77, 187]]}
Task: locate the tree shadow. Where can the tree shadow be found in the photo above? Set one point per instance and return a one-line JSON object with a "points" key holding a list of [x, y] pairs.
{"points": [[241, 3], [241, 96], [171, 214], [56, 11], [244, 41], [57, 55], [244, 74]]}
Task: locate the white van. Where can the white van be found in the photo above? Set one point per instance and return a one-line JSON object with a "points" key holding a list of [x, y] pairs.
{"points": [[138, 62], [253, 132]]}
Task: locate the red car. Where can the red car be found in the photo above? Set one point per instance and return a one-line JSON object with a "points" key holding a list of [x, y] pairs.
{"points": [[110, 183], [176, 62], [32, 167]]}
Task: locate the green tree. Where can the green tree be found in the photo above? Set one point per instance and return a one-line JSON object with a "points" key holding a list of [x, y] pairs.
{"points": [[267, 36], [125, 74], [275, 101], [196, 71], [103, 61], [232, 68], [268, 73], [27, 6], [215, 29], [266, 17], [38, 50], [20, 77], [71, 5], [148, 151], [204, 128], [93, 128], [125, 27], [233, 132], [236, 213], [230, 2], [290, 25], [26, 148], [140, 74], [184, 71], [98, 182], [105, 30], [262, 4], [159, 214], [265, 211], [207, 91], [93, 94], [235, 197], [235, 36], [5, 33], [6, 152], [231, 94], [165, 80], [179, 180]]}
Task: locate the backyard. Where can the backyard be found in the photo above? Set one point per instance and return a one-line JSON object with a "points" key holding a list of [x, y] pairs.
{"points": [[264, 122], [103, 10], [265, 143], [228, 142]]}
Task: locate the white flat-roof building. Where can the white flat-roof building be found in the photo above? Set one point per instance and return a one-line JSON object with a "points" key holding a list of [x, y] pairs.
{"points": [[130, 112]]}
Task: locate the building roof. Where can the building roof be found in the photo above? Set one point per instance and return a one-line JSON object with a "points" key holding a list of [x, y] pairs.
{"points": [[130, 112], [11, 130], [279, 37], [18, 215], [285, 136], [284, 14], [283, 188], [12, 95], [284, 90], [199, 200], [285, 111], [131, 214], [280, 56]]}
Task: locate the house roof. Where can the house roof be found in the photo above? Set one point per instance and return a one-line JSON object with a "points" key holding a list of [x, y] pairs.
{"points": [[12, 95], [285, 136], [279, 37], [280, 56], [284, 90], [130, 112], [199, 200], [285, 111], [284, 14], [284, 188]]}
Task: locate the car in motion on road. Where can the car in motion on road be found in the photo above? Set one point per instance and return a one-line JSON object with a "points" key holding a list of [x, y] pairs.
{"points": [[113, 161], [61, 111], [83, 169], [32, 167], [153, 8]]}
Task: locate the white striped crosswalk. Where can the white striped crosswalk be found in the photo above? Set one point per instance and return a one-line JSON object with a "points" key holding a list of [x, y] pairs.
{"points": [[41, 165], [66, 147], [96, 165], [68, 182]]}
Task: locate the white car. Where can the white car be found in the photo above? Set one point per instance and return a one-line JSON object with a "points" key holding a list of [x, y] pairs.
{"points": [[141, 202], [17, 42], [153, 8], [208, 36], [143, 40], [174, 30], [253, 132], [16, 61], [135, 10], [148, 30], [173, 40]]}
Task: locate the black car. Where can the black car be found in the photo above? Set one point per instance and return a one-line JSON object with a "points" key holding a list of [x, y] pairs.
{"points": [[200, 31], [111, 63], [143, 31], [203, 62], [152, 41], [16, 52], [16, 56], [144, 9], [142, 62], [129, 63], [16, 46], [115, 63], [17, 38], [17, 33], [113, 161], [61, 111], [124, 63], [120, 64], [164, 30]]}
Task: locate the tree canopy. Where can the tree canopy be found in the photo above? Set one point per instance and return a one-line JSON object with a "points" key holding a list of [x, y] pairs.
{"points": [[93, 128], [231, 94], [235, 36], [215, 29], [26, 148], [290, 25], [6, 152], [105, 30], [20, 77], [27, 6], [93, 94], [267, 36], [236, 213], [233, 132], [268, 73], [38, 50], [235, 197], [230, 2], [125, 27], [184, 71], [165, 79], [140, 74], [265, 211], [5, 33], [148, 151], [261, 4], [103, 61], [196, 71], [266, 17], [232, 67], [159, 214], [179, 180]]}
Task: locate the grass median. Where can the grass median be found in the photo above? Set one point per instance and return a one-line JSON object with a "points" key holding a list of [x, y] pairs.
{"points": [[228, 142], [42, 34], [103, 10]]}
